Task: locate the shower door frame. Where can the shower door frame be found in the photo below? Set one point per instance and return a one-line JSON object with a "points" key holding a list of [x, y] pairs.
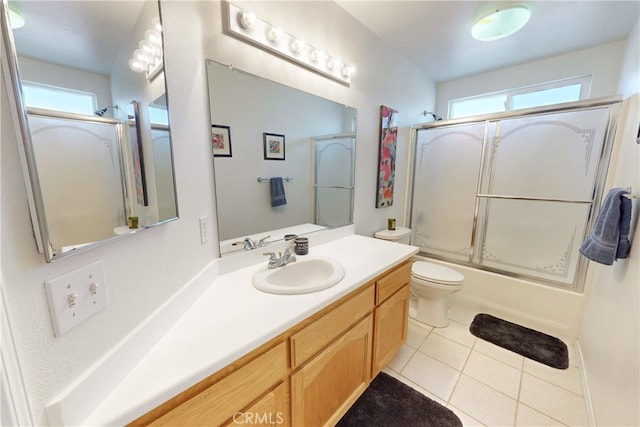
{"points": [[614, 105]]}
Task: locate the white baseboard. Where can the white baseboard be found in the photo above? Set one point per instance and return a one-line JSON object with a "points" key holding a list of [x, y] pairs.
{"points": [[591, 417]]}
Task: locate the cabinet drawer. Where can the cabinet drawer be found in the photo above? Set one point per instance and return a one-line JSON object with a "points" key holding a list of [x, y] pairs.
{"points": [[388, 284], [320, 333], [218, 403]]}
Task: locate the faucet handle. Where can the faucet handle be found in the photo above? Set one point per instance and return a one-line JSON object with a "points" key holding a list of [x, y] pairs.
{"points": [[271, 255], [262, 241]]}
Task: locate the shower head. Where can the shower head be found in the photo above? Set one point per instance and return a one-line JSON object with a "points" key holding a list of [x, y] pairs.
{"points": [[103, 111], [434, 115]]}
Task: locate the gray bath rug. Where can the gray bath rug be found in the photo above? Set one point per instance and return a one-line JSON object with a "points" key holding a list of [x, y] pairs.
{"points": [[529, 343], [388, 402]]}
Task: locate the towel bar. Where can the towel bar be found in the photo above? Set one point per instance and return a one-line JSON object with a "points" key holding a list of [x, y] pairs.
{"points": [[269, 179]]}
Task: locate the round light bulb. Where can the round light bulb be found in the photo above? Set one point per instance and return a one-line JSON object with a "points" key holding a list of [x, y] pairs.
{"points": [[274, 34], [155, 23], [142, 56], [247, 19], [296, 46], [316, 55], [348, 71], [153, 36], [137, 66]]}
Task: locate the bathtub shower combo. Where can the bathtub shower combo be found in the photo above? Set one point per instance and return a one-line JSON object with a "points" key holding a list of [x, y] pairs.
{"points": [[513, 193]]}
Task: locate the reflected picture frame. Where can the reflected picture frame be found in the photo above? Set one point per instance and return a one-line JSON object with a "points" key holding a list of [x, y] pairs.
{"points": [[221, 140], [274, 146]]}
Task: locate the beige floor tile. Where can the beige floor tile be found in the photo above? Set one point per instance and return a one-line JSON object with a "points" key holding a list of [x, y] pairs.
{"points": [[434, 376], [466, 419], [495, 374], [483, 403], [401, 358], [457, 332], [529, 417], [556, 402], [416, 334], [568, 379], [446, 351], [496, 352]]}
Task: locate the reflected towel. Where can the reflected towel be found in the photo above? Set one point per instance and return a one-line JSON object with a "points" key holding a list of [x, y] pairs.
{"points": [[609, 238], [277, 192]]}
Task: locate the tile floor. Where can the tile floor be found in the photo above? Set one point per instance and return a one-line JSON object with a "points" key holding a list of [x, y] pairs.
{"points": [[486, 385]]}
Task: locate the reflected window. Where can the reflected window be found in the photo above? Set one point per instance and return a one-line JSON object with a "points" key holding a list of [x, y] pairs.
{"points": [[158, 115], [60, 99]]}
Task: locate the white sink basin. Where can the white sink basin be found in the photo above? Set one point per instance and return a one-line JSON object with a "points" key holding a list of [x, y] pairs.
{"points": [[308, 274]]}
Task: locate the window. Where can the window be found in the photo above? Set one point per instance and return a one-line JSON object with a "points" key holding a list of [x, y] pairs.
{"points": [[60, 99], [551, 93]]}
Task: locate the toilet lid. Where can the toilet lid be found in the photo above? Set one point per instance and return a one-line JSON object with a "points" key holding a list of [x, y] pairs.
{"points": [[436, 273]]}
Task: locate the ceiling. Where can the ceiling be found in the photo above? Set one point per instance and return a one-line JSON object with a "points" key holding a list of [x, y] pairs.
{"points": [[436, 35]]}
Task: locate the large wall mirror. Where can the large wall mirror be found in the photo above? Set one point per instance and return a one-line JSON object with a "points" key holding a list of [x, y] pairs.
{"points": [[263, 131], [89, 82]]}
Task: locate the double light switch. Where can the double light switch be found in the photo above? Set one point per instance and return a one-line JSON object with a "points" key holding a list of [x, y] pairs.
{"points": [[76, 296]]}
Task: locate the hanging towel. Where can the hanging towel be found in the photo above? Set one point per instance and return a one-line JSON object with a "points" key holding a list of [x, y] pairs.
{"points": [[609, 238], [277, 192]]}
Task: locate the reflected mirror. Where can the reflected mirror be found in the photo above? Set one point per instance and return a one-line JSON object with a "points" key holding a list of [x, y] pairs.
{"points": [[89, 81], [263, 131]]}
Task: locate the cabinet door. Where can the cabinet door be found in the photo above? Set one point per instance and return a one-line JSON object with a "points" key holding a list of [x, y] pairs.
{"points": [[271, 410], [324, 388], [391, 321], [231, 394]]}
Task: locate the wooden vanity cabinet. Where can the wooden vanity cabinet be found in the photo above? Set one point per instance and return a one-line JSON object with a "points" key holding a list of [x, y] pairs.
{"points": [[308, 376], [391, 317]]}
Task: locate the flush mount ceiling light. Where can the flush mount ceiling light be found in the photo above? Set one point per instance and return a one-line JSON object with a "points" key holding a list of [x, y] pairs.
{"points": [[500, 23]]}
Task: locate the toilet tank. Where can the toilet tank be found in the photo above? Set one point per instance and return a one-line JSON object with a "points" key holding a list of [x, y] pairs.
{"points": [[400, 235]]}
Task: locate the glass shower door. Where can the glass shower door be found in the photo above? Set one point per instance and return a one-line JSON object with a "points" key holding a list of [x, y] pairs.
{"points": [[334, 179], [537, 193], [447, 165]]}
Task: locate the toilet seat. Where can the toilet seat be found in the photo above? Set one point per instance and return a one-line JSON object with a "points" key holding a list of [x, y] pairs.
{"points": [[435, 273]]}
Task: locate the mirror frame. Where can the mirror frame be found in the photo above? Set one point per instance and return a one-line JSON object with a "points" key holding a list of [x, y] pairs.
{"points": [[33, 188]]}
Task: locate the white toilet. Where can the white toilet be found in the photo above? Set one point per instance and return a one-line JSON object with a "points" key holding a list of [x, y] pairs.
{"points": [[431, 284]]}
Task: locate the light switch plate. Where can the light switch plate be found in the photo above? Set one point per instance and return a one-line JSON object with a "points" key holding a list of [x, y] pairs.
{"points": [[76, 296]]}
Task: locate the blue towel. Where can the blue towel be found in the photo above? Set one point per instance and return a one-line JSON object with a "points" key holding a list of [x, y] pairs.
{"points": [[277, 192], [609, 238]]}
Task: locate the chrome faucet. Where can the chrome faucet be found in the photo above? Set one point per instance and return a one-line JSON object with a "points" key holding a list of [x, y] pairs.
{"points": [[249, 244], [281, 259]]}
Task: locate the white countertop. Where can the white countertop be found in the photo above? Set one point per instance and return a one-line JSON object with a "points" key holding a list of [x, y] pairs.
{"points": [[231, 319]]}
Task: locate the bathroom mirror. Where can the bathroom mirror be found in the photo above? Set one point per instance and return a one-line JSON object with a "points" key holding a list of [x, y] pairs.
{"points": [[89, 82], [263, 130]]}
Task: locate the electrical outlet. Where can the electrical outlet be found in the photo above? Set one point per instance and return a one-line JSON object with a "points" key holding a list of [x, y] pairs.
{"points": [[76, 296], [204, 230]]}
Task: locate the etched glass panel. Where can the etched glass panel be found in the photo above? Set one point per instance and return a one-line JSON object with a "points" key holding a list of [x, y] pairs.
{"points": [[447, 164], [553, 156], [533, 238]]}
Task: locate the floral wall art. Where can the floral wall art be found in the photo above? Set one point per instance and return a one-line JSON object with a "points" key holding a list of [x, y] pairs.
{"points": [[387, 156]]}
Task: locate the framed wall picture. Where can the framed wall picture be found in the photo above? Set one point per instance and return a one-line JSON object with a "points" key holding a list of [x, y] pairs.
{"points": [[221, 140], [273, 146], [387, 156]]}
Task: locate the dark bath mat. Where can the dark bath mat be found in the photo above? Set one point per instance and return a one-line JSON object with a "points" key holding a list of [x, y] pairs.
{"points": [[529, 343], [388, 402]]}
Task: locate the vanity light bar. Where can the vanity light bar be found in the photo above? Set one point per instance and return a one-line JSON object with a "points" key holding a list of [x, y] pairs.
{"points": [[247, 26]]}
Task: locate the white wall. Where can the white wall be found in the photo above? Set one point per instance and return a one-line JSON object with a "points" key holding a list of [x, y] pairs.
{"points": [[601, 62], [143, 270], [609, 338]]}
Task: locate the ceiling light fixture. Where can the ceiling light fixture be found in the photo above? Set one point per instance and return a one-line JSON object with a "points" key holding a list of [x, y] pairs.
{"points": [[247, 26], [500, 23]]}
